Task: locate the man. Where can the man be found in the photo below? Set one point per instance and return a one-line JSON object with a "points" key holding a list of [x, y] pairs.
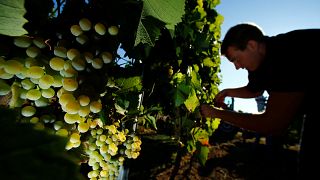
{"points": [[284, 66]]}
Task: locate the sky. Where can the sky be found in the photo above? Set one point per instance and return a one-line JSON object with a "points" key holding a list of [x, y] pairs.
{"points": [[274, 17]]}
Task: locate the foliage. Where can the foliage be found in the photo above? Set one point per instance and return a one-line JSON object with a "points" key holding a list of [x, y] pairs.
{"points": [[171, 65], [27, 153], [11, 17]]}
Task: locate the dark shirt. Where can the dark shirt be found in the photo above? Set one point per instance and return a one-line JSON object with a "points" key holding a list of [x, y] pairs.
{"points": [[290, 62], [290, 65]]}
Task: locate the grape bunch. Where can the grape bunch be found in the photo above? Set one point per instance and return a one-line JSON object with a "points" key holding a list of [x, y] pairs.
{"points": [[48, 84]]}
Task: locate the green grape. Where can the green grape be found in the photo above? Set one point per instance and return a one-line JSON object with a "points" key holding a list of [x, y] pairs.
{"points": [[32, 51], [69, 72], [100, 28], [30, 62], [4, 88], [78, 63], [34, 80], [46, 118], [34, 120], [103, 149], [28, 111], [39, 126], [106, 57], [46, 81], [22, 74], [75, 137], [57, 81], [62, 132], [72, 107], [72, 53], [23, 93], [58, 125], [104, 173], [35, 72], [39, 42], [13, 67], [22, 41], [134, 155], [85, 24], [95, 106], [71, 118], [77, 144], [84, 100], [57, 63], [99, 131], [42, 102], [88, 57], [103, 137], [69, 145], [76, 30], [65, 98], [5, 75], [99, 143], [60, 51], [108, 140], [82, 39], [83, 127], [97, 63], [84, 111], [27, 84], [69, 84], [113, 30], [33, 94], [48, 93]]}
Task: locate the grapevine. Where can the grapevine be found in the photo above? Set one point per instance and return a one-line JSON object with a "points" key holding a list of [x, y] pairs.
{"points": [[66, 76], [40, 80]]}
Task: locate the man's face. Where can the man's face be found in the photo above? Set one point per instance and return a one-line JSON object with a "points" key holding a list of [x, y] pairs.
{"points": [[248, 59]]}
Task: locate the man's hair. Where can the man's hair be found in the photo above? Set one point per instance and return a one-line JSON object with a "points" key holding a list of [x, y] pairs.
{"points": [[239, 35]]}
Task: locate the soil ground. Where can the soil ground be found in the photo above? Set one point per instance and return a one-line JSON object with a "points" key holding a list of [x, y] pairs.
{"points": [[242, 157]]}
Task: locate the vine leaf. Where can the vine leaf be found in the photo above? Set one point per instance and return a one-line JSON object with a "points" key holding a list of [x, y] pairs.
{"points": [[155, 16], [11, 17], [192, 102]]}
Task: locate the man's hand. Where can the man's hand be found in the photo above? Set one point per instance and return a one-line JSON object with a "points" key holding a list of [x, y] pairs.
{"points": [[206, 110]]}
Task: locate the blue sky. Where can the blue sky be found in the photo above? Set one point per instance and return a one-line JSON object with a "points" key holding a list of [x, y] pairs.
{"points": [[274, 17]]}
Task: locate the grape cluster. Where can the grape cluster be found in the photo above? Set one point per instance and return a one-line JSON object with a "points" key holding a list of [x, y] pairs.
{"points": [[38, 79], [107, 149]]}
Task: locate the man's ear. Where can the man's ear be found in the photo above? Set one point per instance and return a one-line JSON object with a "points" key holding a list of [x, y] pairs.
{"points": [[252, 45]]}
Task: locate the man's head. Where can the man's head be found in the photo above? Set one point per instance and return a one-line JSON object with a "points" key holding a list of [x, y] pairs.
{"points": [[242, 45]]}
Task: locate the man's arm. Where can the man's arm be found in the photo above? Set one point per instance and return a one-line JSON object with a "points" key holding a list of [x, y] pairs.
{"points": [[241, 92], [280, 110]]}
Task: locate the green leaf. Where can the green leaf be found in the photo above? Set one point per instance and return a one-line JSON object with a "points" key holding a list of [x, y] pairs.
{"points": [[151, 120], [203, 154], [148, 31], [181, 93], [120, 110], [156, 15], [192, 102], [167, 11], [208, 62], [11, 17], [129, 84]]}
